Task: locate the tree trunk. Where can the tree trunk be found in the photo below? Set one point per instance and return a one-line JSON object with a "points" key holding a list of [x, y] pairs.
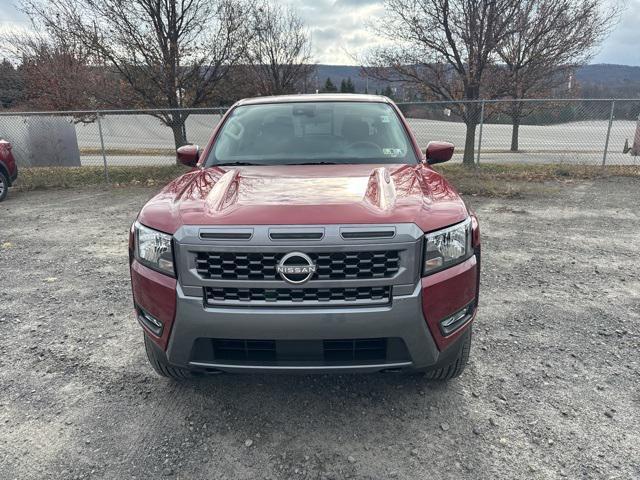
{"points": [[469, 145], [179, 134], [514, 134]]}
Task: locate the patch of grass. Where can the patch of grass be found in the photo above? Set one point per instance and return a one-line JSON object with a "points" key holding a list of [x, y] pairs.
{"points": [[39, 178], [518, 180], [538, 172], [492, 180], [150, 152]]}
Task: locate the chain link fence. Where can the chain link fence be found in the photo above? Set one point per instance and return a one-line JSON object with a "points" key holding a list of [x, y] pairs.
{"points": [[107, 138], [578, 131]]}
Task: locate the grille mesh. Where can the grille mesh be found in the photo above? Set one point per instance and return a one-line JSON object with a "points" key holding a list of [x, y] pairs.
{"points": [[355, 350], [330, 266], [327, 352], [248, 295]]}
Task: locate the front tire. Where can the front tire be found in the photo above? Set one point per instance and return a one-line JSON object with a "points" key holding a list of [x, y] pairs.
{"points": [[456, 366], [158, 361], [4, 186]]}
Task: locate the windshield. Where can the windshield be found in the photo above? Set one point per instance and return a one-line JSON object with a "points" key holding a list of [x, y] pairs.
{"points": [[313, 132]]}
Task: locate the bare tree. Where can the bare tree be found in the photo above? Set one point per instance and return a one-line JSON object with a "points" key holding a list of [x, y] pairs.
{"points": [[59, 74], [172, 53], [548, 39], [279, 52], [444, 47]]}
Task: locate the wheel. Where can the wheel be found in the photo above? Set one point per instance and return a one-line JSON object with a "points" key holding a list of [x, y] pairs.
{"points": [[159, 363], [4, 186], [456, 366]]}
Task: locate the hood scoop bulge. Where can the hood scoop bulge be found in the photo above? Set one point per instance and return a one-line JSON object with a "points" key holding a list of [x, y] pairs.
{"points": [[381, 189]]}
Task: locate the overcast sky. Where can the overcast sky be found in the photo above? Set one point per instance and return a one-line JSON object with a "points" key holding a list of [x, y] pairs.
{"points": [[338, 29]]}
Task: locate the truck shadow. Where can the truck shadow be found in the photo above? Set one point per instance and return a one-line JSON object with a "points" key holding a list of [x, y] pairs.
{"points": [[284, 420], [289, 403]]}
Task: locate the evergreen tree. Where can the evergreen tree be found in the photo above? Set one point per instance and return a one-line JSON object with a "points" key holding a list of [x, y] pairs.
{"points": [[329, 86], [11, 84], [349, 86], [343, 87]]}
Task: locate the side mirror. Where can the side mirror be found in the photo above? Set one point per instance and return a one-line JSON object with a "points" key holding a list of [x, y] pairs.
{"points": [[439, 152], [188, 155]]}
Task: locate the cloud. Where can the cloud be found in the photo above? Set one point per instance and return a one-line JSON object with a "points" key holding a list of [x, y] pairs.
{"points": [[339, 29], [355, 3], [9, 13], [326, 34], [623, 45]]}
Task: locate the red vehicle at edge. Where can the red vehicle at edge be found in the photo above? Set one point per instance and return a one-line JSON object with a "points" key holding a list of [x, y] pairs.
{"points": [[313, 236], [8, 169]]}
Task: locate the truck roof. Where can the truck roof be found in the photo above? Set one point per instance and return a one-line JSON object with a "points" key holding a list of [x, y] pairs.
{"points": [[316, 97]]}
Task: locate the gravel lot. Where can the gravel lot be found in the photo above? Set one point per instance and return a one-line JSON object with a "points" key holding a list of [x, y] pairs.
{"points": [[551, 391]]}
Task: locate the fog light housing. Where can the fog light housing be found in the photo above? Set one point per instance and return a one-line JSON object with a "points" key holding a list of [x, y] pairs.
{"points": [[149, 321], [453, 322]]}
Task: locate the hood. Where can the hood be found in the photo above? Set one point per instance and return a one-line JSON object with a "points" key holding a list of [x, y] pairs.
{"points": [[306, 195]]}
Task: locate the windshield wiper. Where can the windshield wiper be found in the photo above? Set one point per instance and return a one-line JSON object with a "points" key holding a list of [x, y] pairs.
{"points": [[235, 164], [313, 163]]}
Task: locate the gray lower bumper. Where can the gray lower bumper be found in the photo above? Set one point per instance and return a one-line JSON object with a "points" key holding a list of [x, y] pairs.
{"points": [[402, 319]]}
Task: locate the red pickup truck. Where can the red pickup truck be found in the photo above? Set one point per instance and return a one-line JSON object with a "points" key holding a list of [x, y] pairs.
{"points": [[8, 169], [312, 235]]}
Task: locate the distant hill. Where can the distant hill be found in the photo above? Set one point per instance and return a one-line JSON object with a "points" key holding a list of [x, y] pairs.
{"points": [[605, 80], [600, 80], [337, 73], [606, 74]]}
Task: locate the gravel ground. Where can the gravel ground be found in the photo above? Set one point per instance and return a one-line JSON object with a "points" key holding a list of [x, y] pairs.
{"points": [[551, 390]]}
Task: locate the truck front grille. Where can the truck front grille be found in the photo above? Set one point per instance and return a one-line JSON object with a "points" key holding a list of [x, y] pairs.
{"points": [[332, 296], [330, 266]]}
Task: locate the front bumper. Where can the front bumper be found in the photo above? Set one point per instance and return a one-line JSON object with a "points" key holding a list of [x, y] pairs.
{"points": [[413, 318], [402, 319]]}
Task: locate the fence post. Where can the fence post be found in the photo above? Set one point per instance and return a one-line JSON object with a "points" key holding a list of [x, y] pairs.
{"points": [[480, 134], [606, 143], [104, 155]]}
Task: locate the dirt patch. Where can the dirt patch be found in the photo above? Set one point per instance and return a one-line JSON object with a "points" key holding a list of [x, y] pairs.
{"points": [[551, 391]]}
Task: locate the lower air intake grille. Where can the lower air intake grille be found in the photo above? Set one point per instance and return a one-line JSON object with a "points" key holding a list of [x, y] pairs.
{"points": [[213, 295], [301, 352], [245, 350], [359, 350]]}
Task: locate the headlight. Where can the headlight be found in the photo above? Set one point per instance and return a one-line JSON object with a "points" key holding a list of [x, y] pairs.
{"points": [[447, 247], [153, 249]]}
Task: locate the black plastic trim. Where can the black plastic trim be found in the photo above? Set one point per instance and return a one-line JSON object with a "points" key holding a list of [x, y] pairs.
{"points": [[470, 308], [296, 236], [141, 314], [368, 235], [226, 235]]}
